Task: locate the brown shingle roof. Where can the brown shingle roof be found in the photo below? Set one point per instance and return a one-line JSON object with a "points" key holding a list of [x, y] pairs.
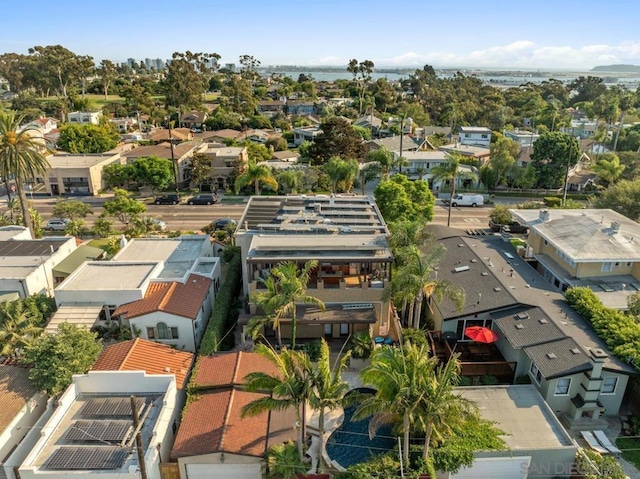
{"points": [[182, 134], [226, 133], [142, 355], [174, 298], [162, 150], [15, 390]]}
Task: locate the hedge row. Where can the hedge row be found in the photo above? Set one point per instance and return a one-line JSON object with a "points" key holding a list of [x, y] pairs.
{"points": [[224, 313], [620, 331]]}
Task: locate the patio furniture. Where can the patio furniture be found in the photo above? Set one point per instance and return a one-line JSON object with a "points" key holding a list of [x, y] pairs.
{"points": [[606, 442], [593, 442], [480, 350]]}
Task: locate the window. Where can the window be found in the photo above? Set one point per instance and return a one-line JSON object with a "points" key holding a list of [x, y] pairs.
{"points": [[467, 135], [609, 386], [484, 136], [466, 323], [607, 266], [162, 331], [562, 387], [535, 373]]}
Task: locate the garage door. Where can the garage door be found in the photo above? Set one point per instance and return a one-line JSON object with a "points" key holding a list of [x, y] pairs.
{"points": [[224, 471], [496, 468]]}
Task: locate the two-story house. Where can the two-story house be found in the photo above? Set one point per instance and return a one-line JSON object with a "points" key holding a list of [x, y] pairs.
{"points": [[305, 134], [538, 334], [594, 248], [78, 174], [162, 288], [300, 107], [524, 138], [224, 160], [84, 117], [270, 107], [475, 136], [193, 119], [347, 238]]}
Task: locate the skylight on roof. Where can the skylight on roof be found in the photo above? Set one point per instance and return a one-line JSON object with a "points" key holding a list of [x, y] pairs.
{"points": [[552, 356], [460, 269]]}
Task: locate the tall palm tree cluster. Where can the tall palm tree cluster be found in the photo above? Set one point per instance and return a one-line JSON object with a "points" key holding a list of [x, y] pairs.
{"points": [[19, 325], [21, 157], [284, 288], [417, 257]]}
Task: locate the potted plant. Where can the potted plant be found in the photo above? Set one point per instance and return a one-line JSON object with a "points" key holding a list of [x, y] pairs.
{"points": [[360, 346]]}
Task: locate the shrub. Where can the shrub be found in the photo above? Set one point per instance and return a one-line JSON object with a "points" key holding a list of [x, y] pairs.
{"points": [[360, 345], [500, 214], [524, 379], [225, 312], [414, 336], [552, 201], [620, 331], [489, 380]]}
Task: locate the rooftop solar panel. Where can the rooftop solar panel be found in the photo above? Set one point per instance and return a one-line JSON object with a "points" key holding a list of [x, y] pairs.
{"points": [[101, 431], [109, 407], [83, 458]]}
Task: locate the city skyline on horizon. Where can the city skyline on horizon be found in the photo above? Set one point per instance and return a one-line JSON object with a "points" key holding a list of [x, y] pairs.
{"points": [[576, 37]]}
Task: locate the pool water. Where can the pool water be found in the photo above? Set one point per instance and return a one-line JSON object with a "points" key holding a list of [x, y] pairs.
{"points": [[350, 443]]}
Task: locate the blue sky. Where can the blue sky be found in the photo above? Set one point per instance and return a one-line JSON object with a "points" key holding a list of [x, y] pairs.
{"points": [[565, 34]]}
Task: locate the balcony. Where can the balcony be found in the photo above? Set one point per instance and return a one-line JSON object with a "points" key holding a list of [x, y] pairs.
{"points": [[477, 359]]}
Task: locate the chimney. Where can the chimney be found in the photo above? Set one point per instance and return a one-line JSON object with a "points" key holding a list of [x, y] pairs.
{"points": [[544, 215], [597, 357], [615, 227]]}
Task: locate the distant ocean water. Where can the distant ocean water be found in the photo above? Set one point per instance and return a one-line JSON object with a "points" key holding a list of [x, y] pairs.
{"points": [[488, 77]]}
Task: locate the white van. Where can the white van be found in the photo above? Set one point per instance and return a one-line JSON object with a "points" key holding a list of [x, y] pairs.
{"points": [[468, 200]]}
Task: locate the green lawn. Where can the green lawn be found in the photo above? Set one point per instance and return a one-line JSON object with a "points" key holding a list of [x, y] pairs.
{"points": [[630, 450], [517, 242], [102, 243]]}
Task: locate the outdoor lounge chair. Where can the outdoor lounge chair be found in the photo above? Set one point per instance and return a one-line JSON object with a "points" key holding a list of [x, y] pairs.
{"points": [[593, 442], [606, 442]]}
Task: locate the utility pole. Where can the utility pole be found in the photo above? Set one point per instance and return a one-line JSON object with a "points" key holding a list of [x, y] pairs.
{"points": [[173, 158], [137, 428], [566, 179]]}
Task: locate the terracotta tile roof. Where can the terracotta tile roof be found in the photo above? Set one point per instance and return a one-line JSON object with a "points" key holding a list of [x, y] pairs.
{"points": [[212, 423], [229, 369], [151, 357], [174, 298], [15, 390]]}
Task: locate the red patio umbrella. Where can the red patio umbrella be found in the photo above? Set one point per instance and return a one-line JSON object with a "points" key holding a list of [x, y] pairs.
{"points": [[481, 334]]}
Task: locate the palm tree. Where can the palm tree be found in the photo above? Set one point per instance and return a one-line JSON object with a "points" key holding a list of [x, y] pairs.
{"points": [[22, 156], [368, 173], [256, 174], [450, 172], [328, 388], [440, 407], [399, 376], [417, 279], [384, 159], [13, 205], [289, 387], [17, 327], [341, 171], [284, 461], [291, 180], [608, 167], [270, 302], [293, 290]]}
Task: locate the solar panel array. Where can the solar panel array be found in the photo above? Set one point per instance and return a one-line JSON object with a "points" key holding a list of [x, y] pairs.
{"points": [[83, 458], [102, 431], [109, 407]]}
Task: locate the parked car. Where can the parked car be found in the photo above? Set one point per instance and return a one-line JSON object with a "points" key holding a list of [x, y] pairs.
{"points": [[203, 200], [56, 224], [224, 223], [514, 227], [467, 200], [167, 200]]}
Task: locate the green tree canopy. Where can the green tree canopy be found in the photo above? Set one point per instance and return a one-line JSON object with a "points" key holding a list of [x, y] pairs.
{"points": [[338, 138], [123, 207], [552, 153], [153, 171], [71, 209], [76, 138], [623, 197], [608, 167], [341, 173], [55, 358], [400, 199]]}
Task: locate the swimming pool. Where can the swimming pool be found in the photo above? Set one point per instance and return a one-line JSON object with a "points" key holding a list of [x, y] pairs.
{"points": [[350, 443]]}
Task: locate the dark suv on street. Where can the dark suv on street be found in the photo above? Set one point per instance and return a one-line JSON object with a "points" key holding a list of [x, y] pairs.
{"points": [[167, 200], [203, 200]]}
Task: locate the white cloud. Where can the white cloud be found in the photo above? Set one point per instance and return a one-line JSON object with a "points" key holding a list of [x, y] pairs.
{"points": [[524, 54]]}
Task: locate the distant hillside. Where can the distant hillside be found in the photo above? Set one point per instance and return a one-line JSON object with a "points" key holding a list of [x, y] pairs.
{"points": [[622, 68]]}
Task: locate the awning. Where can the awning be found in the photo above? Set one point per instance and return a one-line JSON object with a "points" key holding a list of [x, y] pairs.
{"points": [[78, 314], [76, 258], [9, 296]]}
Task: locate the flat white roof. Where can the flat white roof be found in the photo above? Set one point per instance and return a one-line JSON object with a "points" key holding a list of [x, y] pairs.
{"points": [[587, 235], [109, 275], [80, 161], [425, 155], [522, 414]]}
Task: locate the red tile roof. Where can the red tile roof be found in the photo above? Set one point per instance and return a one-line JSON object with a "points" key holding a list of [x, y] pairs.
{"points": [[16, 389], [142, 355], [213, 423], [229, 369], [174, 298]]}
